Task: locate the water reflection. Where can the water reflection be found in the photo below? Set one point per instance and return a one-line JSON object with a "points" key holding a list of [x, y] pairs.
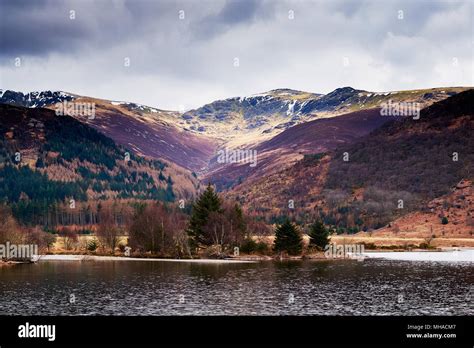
{"points": [[348, 287]]}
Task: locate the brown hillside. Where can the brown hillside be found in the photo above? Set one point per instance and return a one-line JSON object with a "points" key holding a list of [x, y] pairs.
{"points": [[149, 132], [286, 148], [409, 161], [457, 207]]}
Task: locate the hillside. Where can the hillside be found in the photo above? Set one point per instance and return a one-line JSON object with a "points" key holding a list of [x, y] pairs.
{"points": [[283, 125], [150, 132], [408, 160], [145, 130], [413, 155], [47, 159], [457, 207], [191, 139], [283, 150]]}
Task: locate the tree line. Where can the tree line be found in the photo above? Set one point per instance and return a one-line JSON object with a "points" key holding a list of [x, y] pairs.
{"points": [[214, 227]]}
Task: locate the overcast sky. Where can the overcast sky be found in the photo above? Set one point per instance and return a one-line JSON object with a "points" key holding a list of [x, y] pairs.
{"points": [[189, 53]]}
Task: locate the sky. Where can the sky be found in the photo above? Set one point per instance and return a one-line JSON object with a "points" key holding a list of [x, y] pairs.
{"points": [[183, 54]]}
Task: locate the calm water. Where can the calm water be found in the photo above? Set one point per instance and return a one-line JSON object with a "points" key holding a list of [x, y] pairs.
{"points": [[371, 287]]}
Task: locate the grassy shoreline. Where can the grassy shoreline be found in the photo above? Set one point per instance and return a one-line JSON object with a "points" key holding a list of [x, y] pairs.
{"points": [[243, 259], [371, 244]]}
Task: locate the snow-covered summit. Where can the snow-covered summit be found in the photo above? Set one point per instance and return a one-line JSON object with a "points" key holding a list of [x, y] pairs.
{"points": [[34, 99]]}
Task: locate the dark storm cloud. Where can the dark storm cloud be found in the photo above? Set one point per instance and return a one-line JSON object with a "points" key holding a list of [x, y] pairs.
{"points": [[232, 14], [37, 27], [190, 60], [237, 11], [41, 27]]}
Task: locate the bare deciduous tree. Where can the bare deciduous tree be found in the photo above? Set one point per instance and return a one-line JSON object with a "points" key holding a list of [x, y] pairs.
{"points": [[107, 230], [69, 237]]}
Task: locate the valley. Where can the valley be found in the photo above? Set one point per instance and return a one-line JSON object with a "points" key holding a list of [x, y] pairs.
{"points": [[300, 140]]}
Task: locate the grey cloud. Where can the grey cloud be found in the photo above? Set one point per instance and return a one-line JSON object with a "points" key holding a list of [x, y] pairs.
{"points": [[190, 61], [232, 14], [29, 28], [237, 11], [42, 27]]}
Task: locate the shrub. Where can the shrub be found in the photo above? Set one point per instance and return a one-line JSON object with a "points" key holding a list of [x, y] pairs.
{"points": [[369, 246], [248, 246], [262, 248], [92, 245]]}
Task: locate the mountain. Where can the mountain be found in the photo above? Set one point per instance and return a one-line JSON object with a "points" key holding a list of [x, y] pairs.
{"points": [[145, 130], [326, 131], [192, 139], [244, 121], [291, 145], [413, 155], [300, 140], [34, 99], [150, 132], [410, 160], [346, 99], [244, 118], [48, 159]]}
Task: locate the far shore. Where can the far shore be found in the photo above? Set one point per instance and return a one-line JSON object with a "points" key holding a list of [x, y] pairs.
{"points": [[123, 258], [383, 247], [440, 255], [455, 255]]}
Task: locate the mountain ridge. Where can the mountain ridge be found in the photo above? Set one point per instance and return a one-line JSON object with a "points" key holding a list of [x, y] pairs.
{"points": [[192, 139], [412, 160]]}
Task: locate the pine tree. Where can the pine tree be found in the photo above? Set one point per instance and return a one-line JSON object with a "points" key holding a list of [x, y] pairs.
{"points": [[40, 163], [287, 238], [207, 203], [318, 235], [169, 195]]}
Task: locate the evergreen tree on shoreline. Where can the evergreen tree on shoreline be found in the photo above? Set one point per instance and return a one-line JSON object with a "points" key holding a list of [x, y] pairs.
{"points": [[287, 238], [207, 203], [318, 235]]}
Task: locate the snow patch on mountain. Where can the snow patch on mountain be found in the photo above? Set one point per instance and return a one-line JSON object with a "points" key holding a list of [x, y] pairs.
{"points": [[291, 108], [135, 106]]}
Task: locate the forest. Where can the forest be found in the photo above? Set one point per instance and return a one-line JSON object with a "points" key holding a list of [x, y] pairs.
{"points": [[65, 162], [210, 227]]}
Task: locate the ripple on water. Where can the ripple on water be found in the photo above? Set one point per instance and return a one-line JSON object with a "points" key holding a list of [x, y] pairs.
{"points": [[372, 287]]}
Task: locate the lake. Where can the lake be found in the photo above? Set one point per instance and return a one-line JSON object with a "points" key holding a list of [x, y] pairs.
{"points": [[332, 287]]}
